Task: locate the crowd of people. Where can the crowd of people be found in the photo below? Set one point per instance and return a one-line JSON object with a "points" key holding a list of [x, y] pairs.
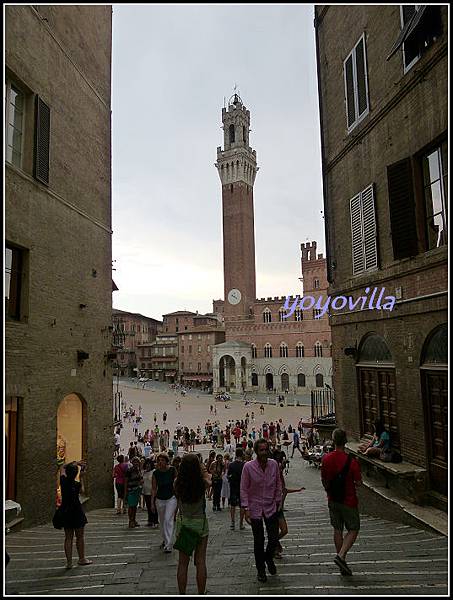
{"points": [[164, 474]]}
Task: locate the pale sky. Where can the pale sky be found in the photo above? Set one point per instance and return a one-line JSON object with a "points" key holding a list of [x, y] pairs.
{"points": [[172, 67]]}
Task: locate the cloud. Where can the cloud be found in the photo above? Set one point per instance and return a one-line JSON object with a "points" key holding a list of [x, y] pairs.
{"points": [[172, 67]]}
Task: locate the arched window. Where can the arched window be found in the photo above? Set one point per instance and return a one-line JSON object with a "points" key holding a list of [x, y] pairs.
{"points": [[435, 351], [316, 284], [281, 315], [254, 379], [244, 135], [375, 350], [231, 133], [283, 350], [268, 351], [299, 350], [319, 380], [254, 351], [301, 380], [298, 315], [318, 349], [267, 315]]}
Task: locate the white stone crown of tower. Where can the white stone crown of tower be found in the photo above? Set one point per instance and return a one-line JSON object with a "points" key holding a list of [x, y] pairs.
{"points": [[237, 162]]}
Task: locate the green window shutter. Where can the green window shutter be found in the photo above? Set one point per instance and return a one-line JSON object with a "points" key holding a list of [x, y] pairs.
{"points": [[361, 77], [402, 209], [349, 90], [42, 141]]}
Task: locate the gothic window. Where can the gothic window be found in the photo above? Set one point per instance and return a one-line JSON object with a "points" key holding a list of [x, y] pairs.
{"points": [[281, 315], [254, 379], [301, 380], [319, 380], [244, 135], [318, 349], [267, 316], [316, 313], [298, 315], [316, 284], [231, 133], [268, 351], [283, 350], [254, 351], [299, 350]]}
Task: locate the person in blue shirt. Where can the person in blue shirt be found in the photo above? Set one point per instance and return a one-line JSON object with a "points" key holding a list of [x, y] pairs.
{"points": [[379, 443], [296, 443]]}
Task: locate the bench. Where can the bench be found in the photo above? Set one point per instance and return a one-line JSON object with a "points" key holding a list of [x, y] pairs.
{"points": [[405, 479]]}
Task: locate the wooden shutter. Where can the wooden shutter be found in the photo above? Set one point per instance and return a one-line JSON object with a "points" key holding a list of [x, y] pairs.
{"points": [[42, 141], [361, 77], [402, 209], [349, 90], [358, 262], [369, 228]]}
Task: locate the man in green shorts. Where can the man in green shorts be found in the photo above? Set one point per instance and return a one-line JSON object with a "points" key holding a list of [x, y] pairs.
{"points": [[340, 475]]}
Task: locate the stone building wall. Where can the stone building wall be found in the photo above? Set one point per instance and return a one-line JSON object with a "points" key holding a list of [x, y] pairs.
{"points": [[62, 54], [408, 114]]}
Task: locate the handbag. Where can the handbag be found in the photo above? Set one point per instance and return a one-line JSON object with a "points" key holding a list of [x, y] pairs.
{"points": [[59, 517], [187, 540]]}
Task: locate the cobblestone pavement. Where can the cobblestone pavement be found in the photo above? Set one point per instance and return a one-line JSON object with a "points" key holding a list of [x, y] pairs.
{"points": [[388, 558]]}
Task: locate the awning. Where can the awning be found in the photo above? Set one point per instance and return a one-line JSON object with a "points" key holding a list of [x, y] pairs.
{"points": [[197, 377], [407, 30], [170, 374]]}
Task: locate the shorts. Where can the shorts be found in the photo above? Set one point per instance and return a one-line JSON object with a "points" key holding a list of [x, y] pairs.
{"points": [[234, 499], [133, 497], [120, 490], [344, 516], [280, 514]]}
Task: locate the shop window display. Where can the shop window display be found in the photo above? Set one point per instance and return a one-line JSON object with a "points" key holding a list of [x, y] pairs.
{"points": [[70, 434]]}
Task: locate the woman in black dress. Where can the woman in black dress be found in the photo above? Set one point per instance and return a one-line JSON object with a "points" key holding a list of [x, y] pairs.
{"points": [[74, 519]]}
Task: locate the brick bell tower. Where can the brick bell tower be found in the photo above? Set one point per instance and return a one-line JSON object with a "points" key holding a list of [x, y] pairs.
{"points": [[237, 169]]}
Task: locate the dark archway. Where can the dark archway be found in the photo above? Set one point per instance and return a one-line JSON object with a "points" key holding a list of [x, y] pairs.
{"points": [[269, 381], [285, 382], [434, 382]]}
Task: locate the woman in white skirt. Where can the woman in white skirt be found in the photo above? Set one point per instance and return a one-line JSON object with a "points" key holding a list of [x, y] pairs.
{"points": [[225, 493]]}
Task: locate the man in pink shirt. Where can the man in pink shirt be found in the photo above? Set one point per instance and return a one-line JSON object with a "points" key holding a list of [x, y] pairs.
{"points": [[261, 494]]}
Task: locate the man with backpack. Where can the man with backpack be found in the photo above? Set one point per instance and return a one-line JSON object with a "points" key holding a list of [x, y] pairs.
{"points": [[340, 474]]}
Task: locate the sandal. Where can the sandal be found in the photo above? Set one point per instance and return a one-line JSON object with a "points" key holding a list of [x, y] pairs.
{"points": [[85, 561]]}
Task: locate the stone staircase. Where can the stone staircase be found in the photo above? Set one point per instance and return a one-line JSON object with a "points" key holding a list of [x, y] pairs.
{"points": [[388, 558]]}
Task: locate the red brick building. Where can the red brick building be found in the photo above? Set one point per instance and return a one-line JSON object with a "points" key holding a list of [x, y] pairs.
{"points": [[384, 156], [263, 349], [130, 331]]}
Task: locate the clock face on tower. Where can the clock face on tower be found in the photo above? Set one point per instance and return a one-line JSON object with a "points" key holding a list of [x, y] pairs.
{"points": [[234, 296]]}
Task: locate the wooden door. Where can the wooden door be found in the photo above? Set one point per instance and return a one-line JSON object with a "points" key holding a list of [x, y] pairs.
{"points": [[436, 419], [387, 400], [369, 398]]}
